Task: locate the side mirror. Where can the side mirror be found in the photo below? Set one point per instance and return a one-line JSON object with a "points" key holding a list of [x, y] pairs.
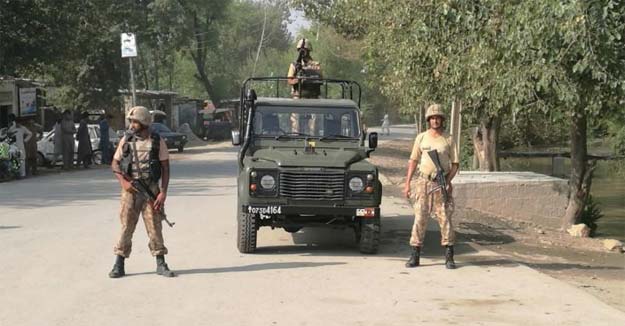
{"points": [[236, 138], [373, 140]]}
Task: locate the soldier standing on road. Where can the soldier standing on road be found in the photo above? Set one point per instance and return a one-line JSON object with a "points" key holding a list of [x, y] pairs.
{"points": [[429, 198], [141, 155]]}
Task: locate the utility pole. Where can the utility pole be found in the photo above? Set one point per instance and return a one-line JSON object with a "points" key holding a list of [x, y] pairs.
{"points": [[132, 84], [129, 50]]}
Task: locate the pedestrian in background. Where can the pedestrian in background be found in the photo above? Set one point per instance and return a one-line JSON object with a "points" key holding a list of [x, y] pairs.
{"points": [[68, 130], [84, 142], [31, 146], [22, 136], [58, 141], [105, 143], [428, 194], [386, 124]]}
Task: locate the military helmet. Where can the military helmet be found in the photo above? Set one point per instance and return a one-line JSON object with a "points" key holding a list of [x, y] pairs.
{"points": [[140, 114], [434, 110], [304, 43]]}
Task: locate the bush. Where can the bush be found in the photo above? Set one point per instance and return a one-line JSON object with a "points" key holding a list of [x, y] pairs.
{"points": [[591, 214]]}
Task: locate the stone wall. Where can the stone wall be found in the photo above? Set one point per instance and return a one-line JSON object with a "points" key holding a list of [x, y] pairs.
{"points": [[523, 196]]}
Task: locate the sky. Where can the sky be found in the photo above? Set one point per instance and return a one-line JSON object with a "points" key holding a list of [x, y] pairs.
{"points": [[299, 21]]}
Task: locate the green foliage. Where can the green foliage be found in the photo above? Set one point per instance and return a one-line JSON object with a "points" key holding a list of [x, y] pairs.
{"points": [[591, 214]]}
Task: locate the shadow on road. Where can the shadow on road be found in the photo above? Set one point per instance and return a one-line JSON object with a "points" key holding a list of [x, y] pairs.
{"points": [[72, 189], [394, 242], [9, 227], [248, 268]]}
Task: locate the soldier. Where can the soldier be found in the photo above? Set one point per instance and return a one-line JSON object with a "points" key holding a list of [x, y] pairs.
{"points": [[141, 155], [428, 197], [304, 67]]}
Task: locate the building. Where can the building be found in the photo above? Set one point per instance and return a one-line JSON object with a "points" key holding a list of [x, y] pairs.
{"points": [[22, 97]]}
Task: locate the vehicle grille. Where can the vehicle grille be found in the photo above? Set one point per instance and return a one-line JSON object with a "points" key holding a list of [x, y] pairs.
{"points": [[312, 185]]}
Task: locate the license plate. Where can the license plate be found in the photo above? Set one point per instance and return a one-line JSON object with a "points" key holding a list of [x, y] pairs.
{"points": [[365, 212], [176, 143], [265, 210]]}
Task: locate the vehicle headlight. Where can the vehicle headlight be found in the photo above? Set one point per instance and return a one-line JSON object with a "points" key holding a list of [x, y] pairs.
{"points": [[356, 184], [267, 182]]}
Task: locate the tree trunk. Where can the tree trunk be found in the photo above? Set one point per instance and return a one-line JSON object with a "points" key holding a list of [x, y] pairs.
{"points": [[581, 172], [199, 55], [485, 138]]}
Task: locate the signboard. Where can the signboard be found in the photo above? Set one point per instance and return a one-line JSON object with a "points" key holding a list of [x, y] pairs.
{"points": [[129, 45], [28, 101]]}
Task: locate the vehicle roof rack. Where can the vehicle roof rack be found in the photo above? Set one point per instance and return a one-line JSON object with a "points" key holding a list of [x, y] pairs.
{"points": [[349, 89]]}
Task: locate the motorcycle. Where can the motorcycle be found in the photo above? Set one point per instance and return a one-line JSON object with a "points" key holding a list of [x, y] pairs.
{"points": [[10, 156]]}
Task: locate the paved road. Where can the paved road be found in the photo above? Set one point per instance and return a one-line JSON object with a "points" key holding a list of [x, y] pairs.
{"points": [[57, 234], [401, 132]]}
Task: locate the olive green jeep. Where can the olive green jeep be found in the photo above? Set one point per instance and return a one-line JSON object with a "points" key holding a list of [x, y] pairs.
{"points": [[303, 163]]}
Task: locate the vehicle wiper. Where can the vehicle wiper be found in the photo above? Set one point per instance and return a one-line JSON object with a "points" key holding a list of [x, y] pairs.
{"points": [[330, 137], [291, 134]]}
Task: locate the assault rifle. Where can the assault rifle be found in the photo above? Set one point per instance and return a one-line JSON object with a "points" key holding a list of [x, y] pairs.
{"points": [[143, 189], [299, 63], [440, 175]]}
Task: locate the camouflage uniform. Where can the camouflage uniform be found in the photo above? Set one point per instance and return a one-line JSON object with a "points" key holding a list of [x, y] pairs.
{"points": [[427, 204], [428, 199], [428, 193], [133, 204]]}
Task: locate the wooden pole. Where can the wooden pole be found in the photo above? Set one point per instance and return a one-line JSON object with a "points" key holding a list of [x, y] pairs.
{"points": [[455, 123]]}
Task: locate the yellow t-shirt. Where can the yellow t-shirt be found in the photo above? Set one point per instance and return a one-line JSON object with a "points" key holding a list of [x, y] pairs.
{"points": [[443, 144]]}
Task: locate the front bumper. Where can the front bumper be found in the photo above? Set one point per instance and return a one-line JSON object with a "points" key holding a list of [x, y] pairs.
{"points": [[175, 143], [295, 210]]}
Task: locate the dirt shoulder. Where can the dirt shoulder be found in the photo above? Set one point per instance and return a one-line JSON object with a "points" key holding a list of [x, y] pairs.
{"points": [[582, 263]]}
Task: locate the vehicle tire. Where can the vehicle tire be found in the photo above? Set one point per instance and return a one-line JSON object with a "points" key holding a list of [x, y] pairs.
{"points": [[246, 232], [369, 236], [180, 149], [97, 158], [292, 229], [41, 160]]}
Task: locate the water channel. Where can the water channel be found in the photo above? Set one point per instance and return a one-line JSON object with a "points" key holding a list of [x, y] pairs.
{"points": [[608, 189]]}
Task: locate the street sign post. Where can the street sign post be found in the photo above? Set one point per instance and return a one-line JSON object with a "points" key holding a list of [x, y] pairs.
{"points": [[129, 50]]}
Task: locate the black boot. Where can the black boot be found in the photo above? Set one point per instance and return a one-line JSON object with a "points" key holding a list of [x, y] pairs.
{"points": [[449, 257], [162, 268], [118, 269], [414, 257]]}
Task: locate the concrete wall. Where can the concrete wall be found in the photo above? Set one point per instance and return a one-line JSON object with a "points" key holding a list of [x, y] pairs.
{"points": [[523, 196]]}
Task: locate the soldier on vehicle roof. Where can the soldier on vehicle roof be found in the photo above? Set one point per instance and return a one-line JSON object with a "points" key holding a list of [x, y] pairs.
{"points": [[304, 68]]}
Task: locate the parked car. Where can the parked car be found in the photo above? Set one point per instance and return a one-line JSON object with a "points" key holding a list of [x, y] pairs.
{"points": [[45, 146], [172, 139]]}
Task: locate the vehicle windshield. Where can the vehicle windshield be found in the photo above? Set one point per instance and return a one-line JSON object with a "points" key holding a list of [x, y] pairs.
{"points": [[159, 128], [306, 122]]}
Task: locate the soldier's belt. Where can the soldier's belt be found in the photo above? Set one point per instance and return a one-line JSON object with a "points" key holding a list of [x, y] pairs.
{"points": [[431, 177]]}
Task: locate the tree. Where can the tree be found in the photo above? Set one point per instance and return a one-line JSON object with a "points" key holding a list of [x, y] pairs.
{"points": [[581, 56], [561, 57]]}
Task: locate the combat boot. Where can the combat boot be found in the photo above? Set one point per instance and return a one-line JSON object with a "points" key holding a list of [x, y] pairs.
{"points": [[449, 257], [162, 268], [118, 269], [414, 257]]}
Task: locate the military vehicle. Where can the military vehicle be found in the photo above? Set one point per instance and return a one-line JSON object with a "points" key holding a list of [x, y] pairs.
{"points": [[303, 163]]}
